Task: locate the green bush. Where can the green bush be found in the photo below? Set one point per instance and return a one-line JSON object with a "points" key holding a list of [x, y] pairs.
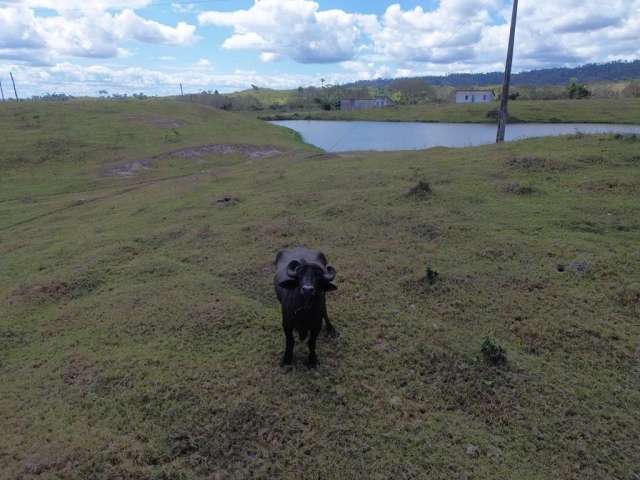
{"points": [[493, 352]]}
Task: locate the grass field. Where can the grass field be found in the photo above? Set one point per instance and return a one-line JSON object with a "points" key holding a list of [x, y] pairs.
{"points": [[603, 110], [140, 337]]}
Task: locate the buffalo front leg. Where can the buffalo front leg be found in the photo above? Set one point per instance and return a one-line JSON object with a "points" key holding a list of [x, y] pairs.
{"points": [[287, 358], [313, 359]]}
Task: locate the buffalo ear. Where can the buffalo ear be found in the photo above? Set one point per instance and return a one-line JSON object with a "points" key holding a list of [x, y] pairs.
{"points": [[330, 287]]}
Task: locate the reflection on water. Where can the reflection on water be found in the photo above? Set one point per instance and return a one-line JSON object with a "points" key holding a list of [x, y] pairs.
{"points": [[349, 136]]}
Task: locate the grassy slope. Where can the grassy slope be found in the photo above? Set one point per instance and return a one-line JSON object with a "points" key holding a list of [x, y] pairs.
{"points": [[609, 110], [139, 335], [266, 96]]}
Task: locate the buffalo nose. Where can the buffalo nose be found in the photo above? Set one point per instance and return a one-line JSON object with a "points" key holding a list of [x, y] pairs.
{"points": [[306, 290]]}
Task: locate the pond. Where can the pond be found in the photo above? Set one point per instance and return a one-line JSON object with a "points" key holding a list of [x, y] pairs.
{"points": [[336, 136]]}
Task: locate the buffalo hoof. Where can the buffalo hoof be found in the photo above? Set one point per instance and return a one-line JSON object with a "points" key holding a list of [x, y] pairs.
{"points": [[332, 333], [312, 363], [286, 361]]}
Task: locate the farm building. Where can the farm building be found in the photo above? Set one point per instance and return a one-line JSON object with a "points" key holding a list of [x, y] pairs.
{"points": [[474, 96], [349, 104]]}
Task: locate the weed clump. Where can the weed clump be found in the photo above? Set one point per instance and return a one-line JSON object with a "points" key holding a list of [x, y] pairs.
{"points": [[227, 201], [527, 163], [518, 189], [627, 137], [421, 190], [432, 276], [630, 296], [493, 352]]}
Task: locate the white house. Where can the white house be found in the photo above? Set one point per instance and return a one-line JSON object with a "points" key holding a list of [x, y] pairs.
{"points": [[474, 96]]}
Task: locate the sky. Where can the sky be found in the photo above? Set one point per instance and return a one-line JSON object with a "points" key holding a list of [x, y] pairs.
{"points": [[82, 47]]}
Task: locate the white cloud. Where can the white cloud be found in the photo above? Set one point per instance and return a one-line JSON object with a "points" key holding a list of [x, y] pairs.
{"points": [[267, 57], [183, 7], [472, 34], [18, 29], [203, 62], [297, 29], [78, 80], [82, 5], [90, 31], [129, 25], [467, 35]]}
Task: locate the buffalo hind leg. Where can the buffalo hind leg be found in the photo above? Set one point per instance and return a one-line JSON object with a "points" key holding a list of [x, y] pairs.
{"points": [[287, 359], [313, 359]]}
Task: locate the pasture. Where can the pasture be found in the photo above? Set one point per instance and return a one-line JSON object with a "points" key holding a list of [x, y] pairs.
{"points": [[140, 336]]}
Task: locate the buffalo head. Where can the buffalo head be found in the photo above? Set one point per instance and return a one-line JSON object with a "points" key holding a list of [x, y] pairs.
{"points": [[309, 278]]}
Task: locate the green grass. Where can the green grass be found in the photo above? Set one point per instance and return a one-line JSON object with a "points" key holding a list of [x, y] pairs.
{"points": [[609, 110], [266, 96], [140, 337]]}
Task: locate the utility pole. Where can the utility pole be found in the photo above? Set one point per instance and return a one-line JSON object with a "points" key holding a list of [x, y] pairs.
{"points": [[181, 92], [1, 91], [14, 86], [504, 100]]}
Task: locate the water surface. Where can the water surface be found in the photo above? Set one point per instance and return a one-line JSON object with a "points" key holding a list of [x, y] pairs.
{"points": [[336, 136]]}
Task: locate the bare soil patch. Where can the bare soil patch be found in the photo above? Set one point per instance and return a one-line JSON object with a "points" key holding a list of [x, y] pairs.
{"points": [[610, 186], [425, 231], [534, 163], [128, 169], [131, 168], [245, 440], [54, 291], [496, 394]]}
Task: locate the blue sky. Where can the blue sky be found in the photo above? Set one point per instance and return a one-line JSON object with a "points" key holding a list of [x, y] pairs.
{"points": [[125, 46]]}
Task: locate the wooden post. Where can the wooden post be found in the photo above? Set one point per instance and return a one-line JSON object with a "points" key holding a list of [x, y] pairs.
{"points": [[504, 101], [1, 91], [14, 86]]}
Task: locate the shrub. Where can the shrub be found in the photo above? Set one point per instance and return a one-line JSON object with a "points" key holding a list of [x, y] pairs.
{"points": [[493, 352], [577, 90]]}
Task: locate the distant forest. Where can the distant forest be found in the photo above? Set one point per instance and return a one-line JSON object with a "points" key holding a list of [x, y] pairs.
{"points": [[604, 72]]}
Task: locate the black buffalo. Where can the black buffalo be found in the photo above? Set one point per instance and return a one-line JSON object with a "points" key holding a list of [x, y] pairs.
{"points": [[302, 278]]}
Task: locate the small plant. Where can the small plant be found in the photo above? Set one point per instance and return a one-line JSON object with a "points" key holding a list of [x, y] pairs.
{"points": [[493, 352], [431, 276], [172, 136]]}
